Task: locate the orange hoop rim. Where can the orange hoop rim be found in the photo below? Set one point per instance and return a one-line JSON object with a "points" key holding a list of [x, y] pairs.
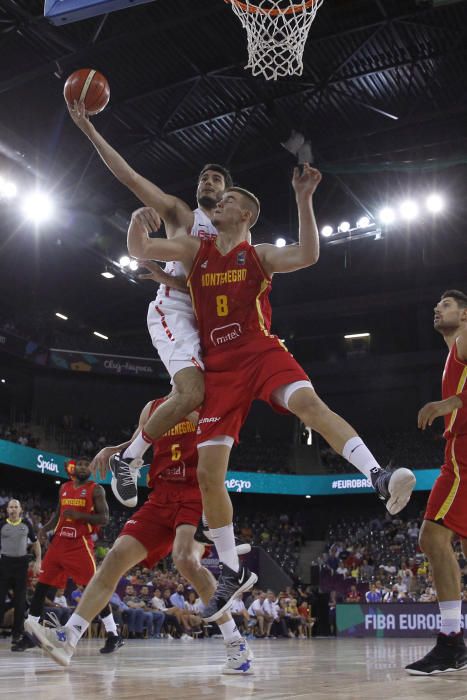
{"points": [[292, 10]]}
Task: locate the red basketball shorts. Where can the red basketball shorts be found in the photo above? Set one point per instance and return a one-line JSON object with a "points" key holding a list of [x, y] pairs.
{"points": [[68, 558], [234, 378], [447, 503], [154, 525]]}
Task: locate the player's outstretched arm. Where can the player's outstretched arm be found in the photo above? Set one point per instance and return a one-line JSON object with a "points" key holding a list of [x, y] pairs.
{"points": [[173, 210], [157, 274], [306, 253], [140, 246]]}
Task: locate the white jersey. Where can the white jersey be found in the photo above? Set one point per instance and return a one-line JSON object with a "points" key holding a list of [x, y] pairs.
{"points": [[174, 298]]}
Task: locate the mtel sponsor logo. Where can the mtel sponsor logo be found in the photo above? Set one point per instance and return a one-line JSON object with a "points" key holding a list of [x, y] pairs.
{"points": [[46, 465], [225, 334], [238, 485]]}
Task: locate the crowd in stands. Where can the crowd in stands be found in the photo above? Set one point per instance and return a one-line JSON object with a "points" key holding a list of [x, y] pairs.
{"points": [[20, 433], [379, 561]]}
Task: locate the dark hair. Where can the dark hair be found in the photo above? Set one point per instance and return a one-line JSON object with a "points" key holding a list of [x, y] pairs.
{"points": [[218, 169], [253, 201], [459, 296]]}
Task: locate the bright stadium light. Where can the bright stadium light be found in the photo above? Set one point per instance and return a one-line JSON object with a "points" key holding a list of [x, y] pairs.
{"points": [[3, 381], [409, 210], [307, 496], [108, 275], [351, 336], [8, 189], [38, 207], [101, 335], [133, 265], [434, 203], [327, 231], [387, 215], [363, 222], [62, 316], [124, 261], [343, 227], [280, 242]]}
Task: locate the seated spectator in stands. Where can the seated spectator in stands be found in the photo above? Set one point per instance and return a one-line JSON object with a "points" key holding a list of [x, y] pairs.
{"points": [[295, 621], [143, 617], [353, 596], [304, 610], [76, 595], [58, 607], [427, 596], [173, 616], [177, 598], [274, 620], [255, 611], [158, 616], [413, 530], [373, 595], [366, 570], [240, 615], [342, 570], [193, 608]]}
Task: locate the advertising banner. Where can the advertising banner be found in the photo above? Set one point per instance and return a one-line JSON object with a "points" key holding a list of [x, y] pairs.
{"points": [[77, 361], [237, 482], [390, 619]]}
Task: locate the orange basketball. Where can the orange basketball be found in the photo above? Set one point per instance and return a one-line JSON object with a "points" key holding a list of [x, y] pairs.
{"points": [[88, 86]]}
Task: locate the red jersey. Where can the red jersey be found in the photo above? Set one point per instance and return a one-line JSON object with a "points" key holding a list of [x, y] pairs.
{"points": [[74, 496], [230, 296], [175, 455], [454, 382]]}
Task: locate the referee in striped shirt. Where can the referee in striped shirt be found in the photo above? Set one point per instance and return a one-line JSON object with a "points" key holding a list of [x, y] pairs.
{"points": [[14, 560]]}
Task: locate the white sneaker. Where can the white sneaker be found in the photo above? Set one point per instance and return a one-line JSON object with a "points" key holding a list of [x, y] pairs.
{"points": [[186, 638], [394, 487], [239, 656], [53, 640]]}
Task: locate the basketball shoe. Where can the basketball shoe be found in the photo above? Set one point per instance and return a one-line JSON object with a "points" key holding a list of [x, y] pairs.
{"points": [[394, 487], [230, 585], [125, 473], [239, 657], [55, 641], [449, 654], [202, 535], [22, 644], [112, 643]]}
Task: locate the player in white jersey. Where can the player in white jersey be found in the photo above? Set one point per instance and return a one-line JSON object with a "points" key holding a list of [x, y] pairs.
{"points": [[171, 321]]}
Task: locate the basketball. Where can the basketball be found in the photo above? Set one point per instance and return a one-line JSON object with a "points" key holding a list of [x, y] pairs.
{"points": [[88, 86]]}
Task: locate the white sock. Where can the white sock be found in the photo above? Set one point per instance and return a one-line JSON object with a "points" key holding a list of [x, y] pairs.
{"points": [[35, 618], [77, 626], [224, 542], [450, 616], [230, 631], [109, 624], [138, 447], [357, 453]]}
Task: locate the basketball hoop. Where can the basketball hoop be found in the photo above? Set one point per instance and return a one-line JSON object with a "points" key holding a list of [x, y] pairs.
{"points": [[277, 31]]}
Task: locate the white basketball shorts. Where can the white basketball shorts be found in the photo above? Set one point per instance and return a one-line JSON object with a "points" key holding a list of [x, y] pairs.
{"points": [[174, 334]]}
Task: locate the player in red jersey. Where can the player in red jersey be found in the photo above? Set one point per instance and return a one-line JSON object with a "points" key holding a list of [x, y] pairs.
{"points": [[229, 281], [446, 512], [81, 509], [165, 523]]}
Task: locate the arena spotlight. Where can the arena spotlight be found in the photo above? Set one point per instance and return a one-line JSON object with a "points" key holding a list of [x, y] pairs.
{"points": [[101, 335], [352, 336], [343, 227], [58, 482], [307, 496], [387, 215], [37, 207], [8, 189], [108, 275], [363, 222], [280, 242], [124, 261], [327, 231], [133, 265], [3, 381], [409, 210], [434, 203], [62, 316]]}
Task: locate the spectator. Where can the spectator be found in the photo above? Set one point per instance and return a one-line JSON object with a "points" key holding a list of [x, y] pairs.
{"points": [[240, 615], [143, 617], [373, 595], [255, 611], [353, 596]]}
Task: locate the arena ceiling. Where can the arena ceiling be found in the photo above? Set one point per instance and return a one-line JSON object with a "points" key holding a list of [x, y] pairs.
{"points": [[383, 99]]}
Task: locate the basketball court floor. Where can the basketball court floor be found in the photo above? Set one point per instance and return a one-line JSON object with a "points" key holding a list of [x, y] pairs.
{"points": [[284, 670]]}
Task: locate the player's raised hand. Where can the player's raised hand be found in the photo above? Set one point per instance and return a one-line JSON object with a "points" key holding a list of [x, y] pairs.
{"points": [[436, 409], [79, 116], [305, 182], [147, 219], [156, 273], [100, 463]]}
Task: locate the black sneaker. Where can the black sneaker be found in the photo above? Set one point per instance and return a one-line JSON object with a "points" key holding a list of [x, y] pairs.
{"points": [[124, 482], [229, 586], [449, 654], [112, 643], [202, 534], [22, 644], [394, 487]]}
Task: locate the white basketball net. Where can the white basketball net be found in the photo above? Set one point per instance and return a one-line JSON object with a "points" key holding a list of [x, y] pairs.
{"points": [[277, 31]]}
